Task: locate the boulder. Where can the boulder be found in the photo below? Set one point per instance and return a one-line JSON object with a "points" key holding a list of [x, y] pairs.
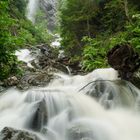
{"points": [[11, 81], [9, 133], [136, 79], [37, 78], [124, 59], [40, 117]]}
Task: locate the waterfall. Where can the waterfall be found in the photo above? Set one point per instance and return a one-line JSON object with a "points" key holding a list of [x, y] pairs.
{"points": [[97, 106], [48, 7], [31, 9]]}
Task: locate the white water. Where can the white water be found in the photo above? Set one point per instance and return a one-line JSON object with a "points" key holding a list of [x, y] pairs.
{"points": [[56, 43], [63, 111], [31, 9], [25, 56]]}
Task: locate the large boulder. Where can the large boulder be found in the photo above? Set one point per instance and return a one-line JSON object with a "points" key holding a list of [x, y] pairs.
{"points": [[124, 59], [9, 133]]}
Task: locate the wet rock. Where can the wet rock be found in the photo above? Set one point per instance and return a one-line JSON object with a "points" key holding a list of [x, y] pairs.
{"points": [[112, 93], [124, 59], [1, 83], [38, 78], [80, 132], [40, 117], [74, 66], [2, 88], [9, 133], [136, 79], [11, 81], [50, 57], [47, 63]]}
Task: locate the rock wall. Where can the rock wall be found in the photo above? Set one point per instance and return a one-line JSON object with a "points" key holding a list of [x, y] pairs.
{"points": [[50, 9]]}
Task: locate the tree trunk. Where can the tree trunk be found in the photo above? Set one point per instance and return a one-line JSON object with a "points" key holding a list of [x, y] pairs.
{"points": [[126, 10]]}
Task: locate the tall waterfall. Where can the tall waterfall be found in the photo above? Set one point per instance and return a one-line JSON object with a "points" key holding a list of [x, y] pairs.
{"points": [[97, 106], [31, 9]]}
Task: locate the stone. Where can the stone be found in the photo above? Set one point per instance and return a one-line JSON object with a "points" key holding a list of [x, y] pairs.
{"points": [[40, 116], [2, 88], [11, 81], [124, 59], [9, 133], [38, 78], [136, 79]]}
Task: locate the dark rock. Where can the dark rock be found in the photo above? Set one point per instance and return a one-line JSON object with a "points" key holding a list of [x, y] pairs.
{"points": [[124, 59], [9, 133], [40, 117], [1, 83], [136, 79], [74, 66]]}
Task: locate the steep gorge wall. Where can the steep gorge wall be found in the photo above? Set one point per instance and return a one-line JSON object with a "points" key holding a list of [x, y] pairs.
{"points": [[50, 9]]}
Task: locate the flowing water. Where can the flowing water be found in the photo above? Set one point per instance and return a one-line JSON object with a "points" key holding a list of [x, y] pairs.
{"points": [[25, 56], [97, 106], [31, 9]]}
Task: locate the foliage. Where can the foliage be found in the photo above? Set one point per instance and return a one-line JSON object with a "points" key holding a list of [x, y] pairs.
{"points": [[94, 54], [8, 41], [75, 18], [16, 32], [89, 29], [89, 18], [42, 34], [130, 35]]}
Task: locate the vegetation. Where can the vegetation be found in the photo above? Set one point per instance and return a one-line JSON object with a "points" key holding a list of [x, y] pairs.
{"points": [[16, 32], [90, 28]]}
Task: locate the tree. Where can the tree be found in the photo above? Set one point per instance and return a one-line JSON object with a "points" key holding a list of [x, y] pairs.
{"points": [[16, 32], [75, 22]]}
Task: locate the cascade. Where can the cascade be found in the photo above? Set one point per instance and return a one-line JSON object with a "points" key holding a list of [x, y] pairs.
{"points": [[97, 106], [31, 9], [25, 56]]}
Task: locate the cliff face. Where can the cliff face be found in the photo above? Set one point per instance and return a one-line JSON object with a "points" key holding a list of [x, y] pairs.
{"points": [[50, 9]]}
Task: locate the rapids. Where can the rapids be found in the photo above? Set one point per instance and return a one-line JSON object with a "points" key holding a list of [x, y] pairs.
{"points": [[97, 106]]}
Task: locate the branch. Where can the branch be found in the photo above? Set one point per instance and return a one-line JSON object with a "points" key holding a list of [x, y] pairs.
{"points": [[98, 81]]}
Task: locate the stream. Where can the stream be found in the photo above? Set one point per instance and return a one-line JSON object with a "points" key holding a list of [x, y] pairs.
{"points": [[97, 106]]}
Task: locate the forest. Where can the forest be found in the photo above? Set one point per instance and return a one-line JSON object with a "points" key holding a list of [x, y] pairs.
{"points": [[88, 29], [69, 70]]}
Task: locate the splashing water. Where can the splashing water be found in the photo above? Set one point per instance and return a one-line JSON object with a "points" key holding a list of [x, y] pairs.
{"points": [[97, 106], [25, 56]]}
